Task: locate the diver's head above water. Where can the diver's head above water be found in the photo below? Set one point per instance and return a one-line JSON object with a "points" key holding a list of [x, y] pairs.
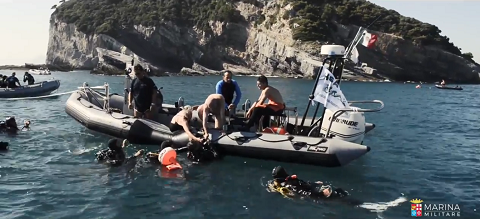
{"points": [[10, 122], [279, 173], [114, 146]]}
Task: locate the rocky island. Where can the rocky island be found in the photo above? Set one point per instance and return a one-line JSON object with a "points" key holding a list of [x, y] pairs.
{"points": [[275, 37]]}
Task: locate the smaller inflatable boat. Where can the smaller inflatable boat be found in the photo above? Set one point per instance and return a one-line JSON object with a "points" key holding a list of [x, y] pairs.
{"points": [[448, 88], [34, 90], [39, 71]]}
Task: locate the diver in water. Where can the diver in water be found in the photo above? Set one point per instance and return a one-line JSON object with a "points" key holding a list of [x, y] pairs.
{"points": [[200, 152], [291, 186], [3, 146], [115, 155], [10, 125]]}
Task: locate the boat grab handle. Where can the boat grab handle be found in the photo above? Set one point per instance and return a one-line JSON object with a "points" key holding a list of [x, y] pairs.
{"points": [[382, 105], [339, 112]]}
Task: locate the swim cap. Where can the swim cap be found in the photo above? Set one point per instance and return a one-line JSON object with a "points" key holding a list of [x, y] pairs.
{"points": [[113, 144], [279, 173]]}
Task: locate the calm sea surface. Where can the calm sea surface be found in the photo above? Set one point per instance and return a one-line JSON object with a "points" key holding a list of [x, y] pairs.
{"points": [[426, 145]]}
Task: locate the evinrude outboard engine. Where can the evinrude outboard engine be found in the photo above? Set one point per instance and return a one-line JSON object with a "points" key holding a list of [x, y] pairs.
{"points": [[348, 126]]}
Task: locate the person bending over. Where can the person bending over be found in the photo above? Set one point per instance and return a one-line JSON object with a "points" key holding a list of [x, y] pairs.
{"points": [[115, 155], [214, 104], [181, 122], [227, 87], [144, 91], [28, 77], [290, 186], [274, 106]]}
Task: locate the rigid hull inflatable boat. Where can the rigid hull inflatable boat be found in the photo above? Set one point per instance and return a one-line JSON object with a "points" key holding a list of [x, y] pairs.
{"points": [[34, 90], [109, 114], [85, 106]]}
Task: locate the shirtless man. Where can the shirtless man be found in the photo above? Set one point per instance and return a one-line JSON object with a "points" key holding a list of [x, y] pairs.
{"points": [[180, 122], [274, 106], [214, 104]]}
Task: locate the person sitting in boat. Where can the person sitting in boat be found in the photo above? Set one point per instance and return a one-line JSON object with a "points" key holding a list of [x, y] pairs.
{"points": [[443, 83], [3, 81], [291, 186], [275, 105], [214, 104], [144, 91], [28, 77], [227, 87], [181, 122], [115, 155], [12, 81]]}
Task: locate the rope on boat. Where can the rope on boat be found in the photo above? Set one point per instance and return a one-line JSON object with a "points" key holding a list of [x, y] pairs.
{"points": [[40, 97]]}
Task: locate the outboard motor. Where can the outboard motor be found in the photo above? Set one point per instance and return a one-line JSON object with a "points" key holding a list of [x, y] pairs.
{"points": [[348, 128]]}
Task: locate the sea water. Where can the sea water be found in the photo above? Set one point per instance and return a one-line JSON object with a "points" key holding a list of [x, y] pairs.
{"points": [[425, 145]]}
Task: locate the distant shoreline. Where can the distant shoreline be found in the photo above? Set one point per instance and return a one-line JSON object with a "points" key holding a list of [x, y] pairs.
{"points": [[13, 67]]}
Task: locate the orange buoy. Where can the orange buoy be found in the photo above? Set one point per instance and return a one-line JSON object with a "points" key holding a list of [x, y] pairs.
{"points": [[168, 158], [275, 130]]}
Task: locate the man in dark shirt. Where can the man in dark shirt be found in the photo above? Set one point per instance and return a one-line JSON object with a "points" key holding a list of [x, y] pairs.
{"points": [[12, 81], [227, 87], [144, 91], [28, 77]]}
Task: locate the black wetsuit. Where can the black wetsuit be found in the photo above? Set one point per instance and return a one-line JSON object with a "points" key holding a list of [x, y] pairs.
{"points": [[29, 78], [12, 82], [3, 146], [5, 128], [114, 155], [142, 91], [196, 151], [307, 189], [174, 127]]}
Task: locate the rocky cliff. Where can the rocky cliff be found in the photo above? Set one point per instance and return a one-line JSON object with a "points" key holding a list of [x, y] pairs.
{"points": [[254, 44]]}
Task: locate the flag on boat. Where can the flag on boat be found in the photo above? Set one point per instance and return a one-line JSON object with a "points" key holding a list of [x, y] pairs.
{"points": [[369, 39], [365, 38], [328, 92]]}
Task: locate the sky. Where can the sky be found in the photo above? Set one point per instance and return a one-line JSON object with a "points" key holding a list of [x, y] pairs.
{"points": [[24, 25]]}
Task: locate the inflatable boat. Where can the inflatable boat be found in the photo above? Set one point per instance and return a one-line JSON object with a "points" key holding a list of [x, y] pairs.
{"points": [[39, 71], [448, 88], [328, 141], [34, 90]]}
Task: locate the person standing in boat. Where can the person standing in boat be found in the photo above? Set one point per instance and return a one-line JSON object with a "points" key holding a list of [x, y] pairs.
{"points": [[12, 81], [275, 105], [3, 82], [443, 83], [227, 87], [28, 77], [214, 104], [144, 91]]}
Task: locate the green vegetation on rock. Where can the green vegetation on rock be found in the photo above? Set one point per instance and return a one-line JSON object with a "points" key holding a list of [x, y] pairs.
{"points": [[315, 17], [107, 16]]}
